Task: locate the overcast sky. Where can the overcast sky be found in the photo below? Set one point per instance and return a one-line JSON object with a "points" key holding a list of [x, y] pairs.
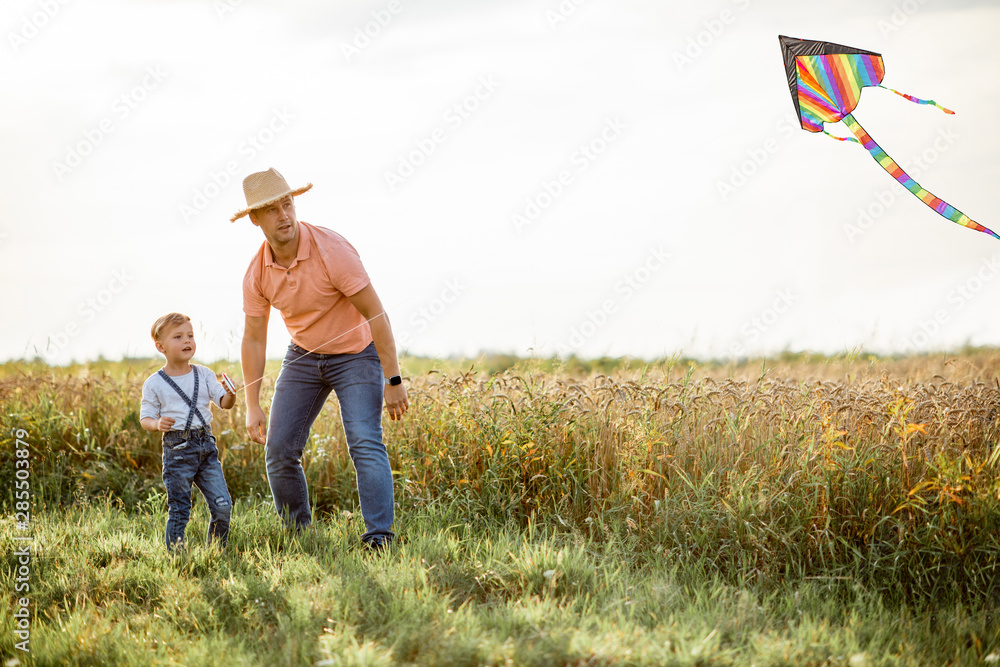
{"points": [[599, 177]]}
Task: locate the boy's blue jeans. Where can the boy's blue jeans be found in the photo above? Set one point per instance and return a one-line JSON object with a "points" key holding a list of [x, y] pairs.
{"points": [[192, 457], [303, 386]]}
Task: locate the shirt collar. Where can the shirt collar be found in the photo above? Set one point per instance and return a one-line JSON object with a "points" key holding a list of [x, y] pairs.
{"points": [[305, 247]]}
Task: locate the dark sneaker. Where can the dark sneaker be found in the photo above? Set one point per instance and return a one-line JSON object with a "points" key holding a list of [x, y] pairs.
{"points": [[377, 547]]}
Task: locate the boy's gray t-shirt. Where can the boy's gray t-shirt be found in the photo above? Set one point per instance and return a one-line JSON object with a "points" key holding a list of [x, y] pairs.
{"points": [[159, 399]]}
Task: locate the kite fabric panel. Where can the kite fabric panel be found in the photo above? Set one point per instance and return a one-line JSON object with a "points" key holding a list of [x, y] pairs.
{"points": [[825, 81]]}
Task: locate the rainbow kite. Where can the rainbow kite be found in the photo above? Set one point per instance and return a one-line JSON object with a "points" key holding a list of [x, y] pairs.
{"points": [[825, 80]]}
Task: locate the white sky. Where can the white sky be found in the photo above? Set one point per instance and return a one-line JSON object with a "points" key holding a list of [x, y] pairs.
{"points": [[641, 252]]}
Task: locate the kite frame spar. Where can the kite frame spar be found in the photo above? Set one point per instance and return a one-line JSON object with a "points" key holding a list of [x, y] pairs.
{"points": [[825, 81]]}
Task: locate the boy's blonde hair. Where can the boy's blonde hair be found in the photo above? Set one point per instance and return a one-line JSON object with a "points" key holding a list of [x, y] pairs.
{"points": [[168, 321]]}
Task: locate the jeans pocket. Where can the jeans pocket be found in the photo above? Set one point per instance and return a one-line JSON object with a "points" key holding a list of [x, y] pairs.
{"points": [[179, 446]]}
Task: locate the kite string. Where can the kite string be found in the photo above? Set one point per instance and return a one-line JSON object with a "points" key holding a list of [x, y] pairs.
{"points": [[308, 352]]}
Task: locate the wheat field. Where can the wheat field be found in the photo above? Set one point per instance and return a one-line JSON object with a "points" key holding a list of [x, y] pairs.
{"points": [[863, 483]]}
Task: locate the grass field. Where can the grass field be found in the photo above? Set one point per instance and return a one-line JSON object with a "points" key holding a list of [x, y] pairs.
{"points": [[805, 510]]}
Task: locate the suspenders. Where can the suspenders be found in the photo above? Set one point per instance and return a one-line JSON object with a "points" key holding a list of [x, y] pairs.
{"points": [[192, 402]]}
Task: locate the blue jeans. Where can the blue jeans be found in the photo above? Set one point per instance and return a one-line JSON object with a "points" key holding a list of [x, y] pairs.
{"points": [[192, 457], [303, 386]]}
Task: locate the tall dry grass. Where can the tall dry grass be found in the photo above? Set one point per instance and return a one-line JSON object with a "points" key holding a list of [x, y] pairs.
{"points": [[805, 467]]}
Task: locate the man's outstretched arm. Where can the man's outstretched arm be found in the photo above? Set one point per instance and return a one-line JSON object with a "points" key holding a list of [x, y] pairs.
{"points": [[370, 306], [254, 355]]}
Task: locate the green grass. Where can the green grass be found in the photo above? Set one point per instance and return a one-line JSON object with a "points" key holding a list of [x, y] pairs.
{"points": [[456, 591], [821, 511]]}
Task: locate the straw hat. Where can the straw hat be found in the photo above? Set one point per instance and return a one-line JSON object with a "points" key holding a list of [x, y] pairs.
{"points": [[263, 188]]}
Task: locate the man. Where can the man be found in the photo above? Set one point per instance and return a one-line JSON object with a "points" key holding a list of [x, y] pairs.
{"points": [[341, 341]]}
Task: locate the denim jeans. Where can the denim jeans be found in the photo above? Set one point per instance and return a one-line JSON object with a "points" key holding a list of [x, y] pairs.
{"points": [[303, 386], [192, 457]]}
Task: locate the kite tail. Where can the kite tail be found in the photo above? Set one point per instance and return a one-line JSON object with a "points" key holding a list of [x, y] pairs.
{"points": [[834, 136], [939, 205], [917, 100]]}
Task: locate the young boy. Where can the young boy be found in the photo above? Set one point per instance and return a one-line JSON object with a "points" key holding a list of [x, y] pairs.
{"points": [[175, 402]]}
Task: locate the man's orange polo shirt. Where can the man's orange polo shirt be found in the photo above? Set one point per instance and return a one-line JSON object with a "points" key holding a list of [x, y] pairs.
{"points": [[311, 294]]}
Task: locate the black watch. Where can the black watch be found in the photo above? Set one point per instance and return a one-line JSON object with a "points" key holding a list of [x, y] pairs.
{"points": [[394, 380]]}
